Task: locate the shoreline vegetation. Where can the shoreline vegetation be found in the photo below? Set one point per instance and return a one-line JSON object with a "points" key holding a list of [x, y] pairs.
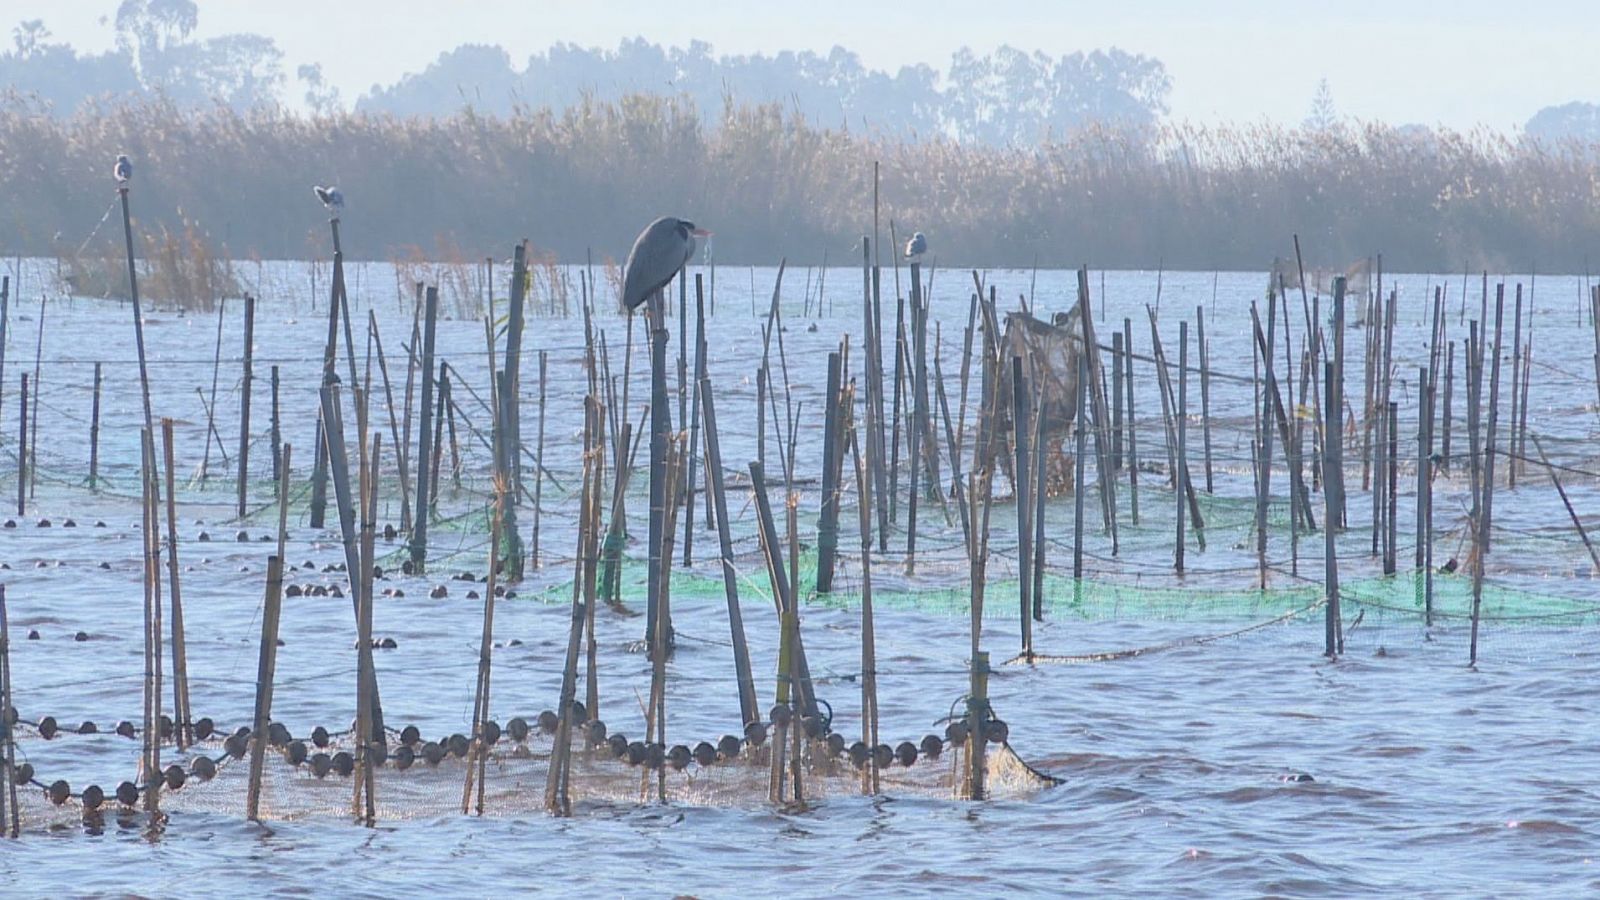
{"points": [[772, 183]]}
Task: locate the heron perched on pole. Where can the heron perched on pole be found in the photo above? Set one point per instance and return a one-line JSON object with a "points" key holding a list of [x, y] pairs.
{"points": [[660, 252]]}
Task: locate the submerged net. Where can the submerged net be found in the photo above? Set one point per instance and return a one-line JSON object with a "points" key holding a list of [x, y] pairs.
{"points": [[427, 779]]}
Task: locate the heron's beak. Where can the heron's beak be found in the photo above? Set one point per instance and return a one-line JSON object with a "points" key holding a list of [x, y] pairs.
{"points": [[700, 232]]}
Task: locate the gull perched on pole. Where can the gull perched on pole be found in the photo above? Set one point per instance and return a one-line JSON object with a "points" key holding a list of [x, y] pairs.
{"points": [[331, 198], [917, 246], [123, 170]]}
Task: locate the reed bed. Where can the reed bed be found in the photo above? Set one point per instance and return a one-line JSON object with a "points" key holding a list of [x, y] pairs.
{"points": [[1186, 195]]}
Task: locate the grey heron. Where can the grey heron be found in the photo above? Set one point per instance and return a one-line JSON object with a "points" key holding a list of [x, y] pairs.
{"points": [[123, 170], [331, 198], [658, 255], [917, 246]]}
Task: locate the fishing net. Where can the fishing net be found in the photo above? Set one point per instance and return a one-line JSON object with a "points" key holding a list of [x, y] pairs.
{"points": [[422, 779]]}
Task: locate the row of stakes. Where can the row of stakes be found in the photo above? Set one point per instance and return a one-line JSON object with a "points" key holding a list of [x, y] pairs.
{"points": [[635, 753]]}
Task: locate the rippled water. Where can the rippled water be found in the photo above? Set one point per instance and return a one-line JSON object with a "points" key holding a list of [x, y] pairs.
{"points": [[1430, 777]]}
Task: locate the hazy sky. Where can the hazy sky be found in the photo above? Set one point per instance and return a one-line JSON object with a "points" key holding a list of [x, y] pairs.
{"points": [[1461, 63]]}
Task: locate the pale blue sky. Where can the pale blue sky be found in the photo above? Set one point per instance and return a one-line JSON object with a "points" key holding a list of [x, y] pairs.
{"points": [[1460, 63]]}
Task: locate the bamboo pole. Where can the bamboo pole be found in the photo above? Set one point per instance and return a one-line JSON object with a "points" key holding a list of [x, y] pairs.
{"points": [[1392, 462], [869, 647], [330, 375], [538, 472], [953, 447], [394, 425], [150, 777], [749, 707], [1117, 404], [1492, 445], [1133, 441], [1020, 409], [420, 509], [1182, 470], [828, 520], [1332, 630], [181, 715], [782, 588], [1095, 373], [363, 802], [338, 463], [477, 761], [511, 372], [266, 668], [277, 432], [211, 423], [1333, 443], [700, 350], [1516, 388], [244, 401], [10, 811], [1077, 491], [660, 434], [22, 450], [94, 432], [1205, 392]]}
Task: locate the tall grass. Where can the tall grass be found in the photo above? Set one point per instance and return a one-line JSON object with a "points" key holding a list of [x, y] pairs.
{"points": [[771, 183]]}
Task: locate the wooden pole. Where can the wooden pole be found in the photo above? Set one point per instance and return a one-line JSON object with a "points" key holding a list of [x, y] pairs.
{"points": [[749, 708], [1516, 388], [1425, 467], [1491, 448], [10, 812], [244, 401], [94, 432], [266, 668], [1020, 408], [869, 647], [277, 437], [1078, 487], [363, 804], [1181, 473], [338, 462], [181, 716], [660, 434], [828, 521], [694, 418], [394, 424], [330, 374], [22, 451], [919, 418], [538, 470], [1449, 394], [1332, 628], [419, 526], [1095, 375], [477, 761], [1205, 391], [151, 776], [1133, 441], [782, 588], [512, 373], [1333, 443], [1116, 400]]}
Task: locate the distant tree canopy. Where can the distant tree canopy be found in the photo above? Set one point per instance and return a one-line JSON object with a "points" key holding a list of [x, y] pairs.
{"points": [[1005, 97], [154, 55], [1572, 121]]}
